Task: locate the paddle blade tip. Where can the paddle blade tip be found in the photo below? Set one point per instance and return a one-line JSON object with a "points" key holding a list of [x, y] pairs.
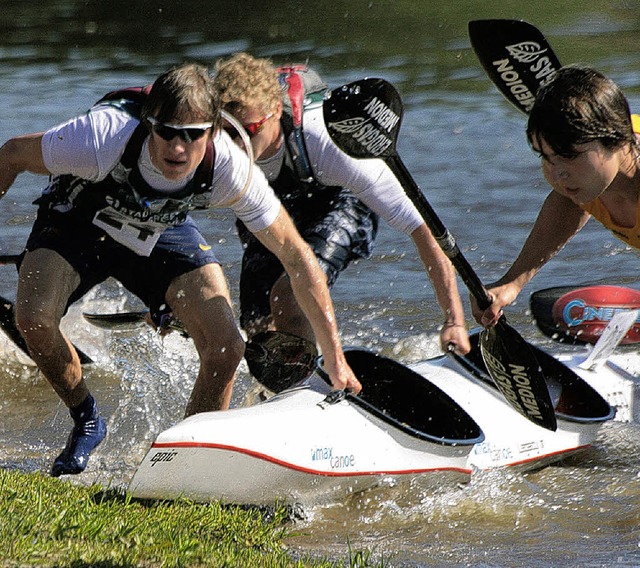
{"points": [[279, 360], [363, 118]]}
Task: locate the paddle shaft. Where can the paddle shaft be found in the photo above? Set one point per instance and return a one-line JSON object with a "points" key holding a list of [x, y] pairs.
{"points": [[508, 358], [445, 239], [363, 118]]}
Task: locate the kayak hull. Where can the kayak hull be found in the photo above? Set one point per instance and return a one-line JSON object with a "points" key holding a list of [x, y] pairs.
{"points": [[291, 448], [310, 444]]}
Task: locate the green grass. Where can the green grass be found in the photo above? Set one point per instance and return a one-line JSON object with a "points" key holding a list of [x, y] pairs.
{"points": [[49, 522]]}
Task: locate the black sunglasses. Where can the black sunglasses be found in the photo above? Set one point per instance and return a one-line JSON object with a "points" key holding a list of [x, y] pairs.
{"points": [[187, 132]]}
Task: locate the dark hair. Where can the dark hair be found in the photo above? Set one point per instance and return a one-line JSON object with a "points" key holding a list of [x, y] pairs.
{"points": [[580, 105], [187, 88]]}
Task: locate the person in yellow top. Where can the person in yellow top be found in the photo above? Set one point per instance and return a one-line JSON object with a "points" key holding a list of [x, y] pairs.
{"points": [[581, 127]]}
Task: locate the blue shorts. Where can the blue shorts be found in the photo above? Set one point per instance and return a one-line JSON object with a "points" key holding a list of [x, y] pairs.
{"points": [[95, 256], [338, 227]]}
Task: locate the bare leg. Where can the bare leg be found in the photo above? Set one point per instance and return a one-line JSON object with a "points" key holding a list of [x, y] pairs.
{"points": [[201, 300], [45, 284], [287, 315], [46, 281]]}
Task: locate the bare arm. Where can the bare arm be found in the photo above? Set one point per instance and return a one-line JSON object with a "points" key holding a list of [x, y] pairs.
{"points": [[308, 283], [443, 279], [20, 154], [558, 221]]}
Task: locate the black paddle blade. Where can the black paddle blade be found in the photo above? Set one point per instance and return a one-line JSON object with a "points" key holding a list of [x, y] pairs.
{"points": [[516, 57], [278, 360], [120, 321], [363, 118], [517, 373]]}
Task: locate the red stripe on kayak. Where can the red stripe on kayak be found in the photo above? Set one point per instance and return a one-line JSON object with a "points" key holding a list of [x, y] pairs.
{"points": [[297, 467]]}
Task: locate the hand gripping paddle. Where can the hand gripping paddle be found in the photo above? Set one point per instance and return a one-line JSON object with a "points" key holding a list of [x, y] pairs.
{"points": [[363, 119], [516, 57]]}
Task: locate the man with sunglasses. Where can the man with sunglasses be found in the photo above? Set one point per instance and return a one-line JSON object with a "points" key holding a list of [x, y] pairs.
{"points": [[332, 210], [123, 180]]}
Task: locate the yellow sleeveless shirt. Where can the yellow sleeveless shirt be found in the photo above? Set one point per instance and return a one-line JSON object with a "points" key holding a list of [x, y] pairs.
{"points": [[630, 235]]}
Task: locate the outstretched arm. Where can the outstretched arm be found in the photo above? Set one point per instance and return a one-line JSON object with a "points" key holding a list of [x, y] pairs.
{"points": [[309, 286], [20, 154], [443, 279], [558, 221]]}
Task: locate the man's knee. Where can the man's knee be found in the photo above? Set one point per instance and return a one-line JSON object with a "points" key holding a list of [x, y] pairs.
{"points": [[35, 325]]}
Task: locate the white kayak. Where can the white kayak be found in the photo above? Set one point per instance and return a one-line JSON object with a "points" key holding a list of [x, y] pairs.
{"points": [[617, 379], [439, 420]]}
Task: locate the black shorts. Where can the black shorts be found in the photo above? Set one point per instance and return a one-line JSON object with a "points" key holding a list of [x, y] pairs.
{"points": [[95, 256], [344, 233]]}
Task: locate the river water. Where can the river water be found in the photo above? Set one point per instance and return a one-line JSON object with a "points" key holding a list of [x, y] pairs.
{"points": [[466, 148]]}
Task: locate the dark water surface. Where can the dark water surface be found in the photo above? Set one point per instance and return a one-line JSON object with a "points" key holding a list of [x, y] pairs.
{"points": [[466, 148]]}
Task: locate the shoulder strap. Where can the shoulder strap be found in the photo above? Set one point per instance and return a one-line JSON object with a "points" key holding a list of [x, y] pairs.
{"points": [[135, 94], [204, 174], [129, 99], [134, 146], [301, 86]]}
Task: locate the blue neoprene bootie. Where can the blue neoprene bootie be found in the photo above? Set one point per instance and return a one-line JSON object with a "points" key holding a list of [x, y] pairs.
{"points": [[88, 431]]}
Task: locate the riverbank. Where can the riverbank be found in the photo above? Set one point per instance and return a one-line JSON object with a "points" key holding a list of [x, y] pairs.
{"points": [[52, 522]]}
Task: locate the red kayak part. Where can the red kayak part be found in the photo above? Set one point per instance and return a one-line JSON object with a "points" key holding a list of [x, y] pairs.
{"points": [[579, 314]]}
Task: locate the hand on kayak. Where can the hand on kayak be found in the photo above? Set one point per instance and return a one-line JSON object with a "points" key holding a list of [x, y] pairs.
{"points": [[342, 377]]}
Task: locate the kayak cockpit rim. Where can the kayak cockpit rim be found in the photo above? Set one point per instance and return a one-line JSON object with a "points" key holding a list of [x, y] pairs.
{"points": [[408, 401], [576, 400]]}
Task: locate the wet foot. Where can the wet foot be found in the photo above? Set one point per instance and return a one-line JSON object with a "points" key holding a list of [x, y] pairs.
{"points": [[84, 438]]}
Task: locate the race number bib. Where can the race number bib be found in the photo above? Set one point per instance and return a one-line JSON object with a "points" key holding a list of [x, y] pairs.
{"points": [[138, 237]]}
